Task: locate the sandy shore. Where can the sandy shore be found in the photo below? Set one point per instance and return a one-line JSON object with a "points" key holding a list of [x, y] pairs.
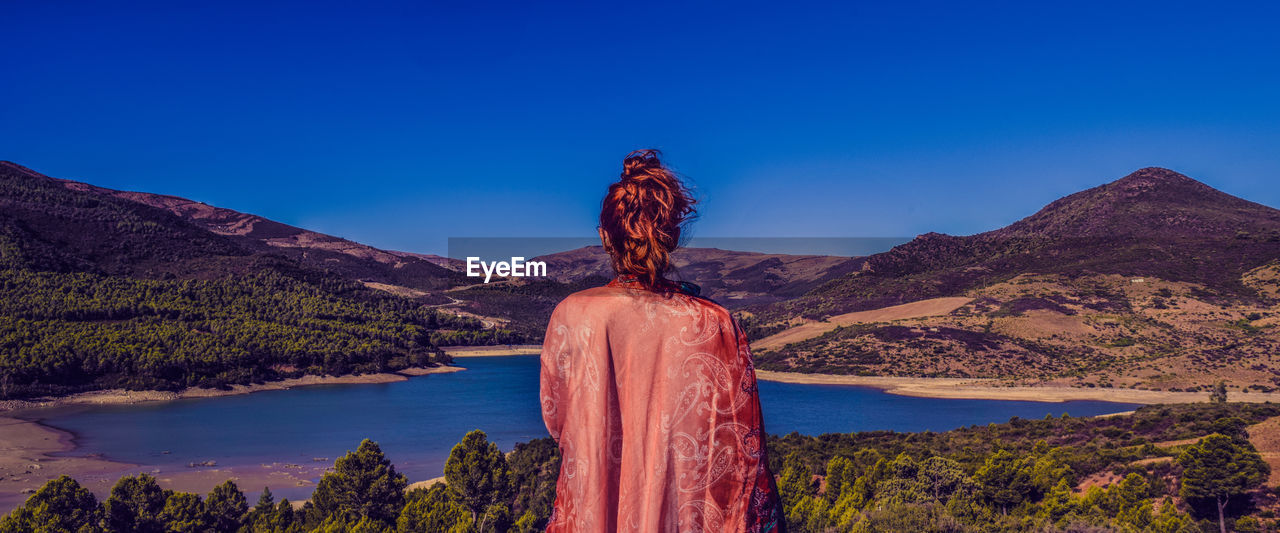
{"points": [[426, 484], [424, 370], [26, 463], [122, 396], [986, 389], [493, 351], [30, 455]]}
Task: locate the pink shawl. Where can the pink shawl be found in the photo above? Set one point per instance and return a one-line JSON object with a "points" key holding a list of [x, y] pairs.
{"points": [[652, 399]]}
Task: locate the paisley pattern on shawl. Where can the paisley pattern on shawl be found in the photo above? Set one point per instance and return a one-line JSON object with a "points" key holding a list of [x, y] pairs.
{"points": [[652, 398]]}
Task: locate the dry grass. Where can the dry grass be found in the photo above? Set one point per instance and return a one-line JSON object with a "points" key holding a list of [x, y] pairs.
{"points": [[809, 329]]}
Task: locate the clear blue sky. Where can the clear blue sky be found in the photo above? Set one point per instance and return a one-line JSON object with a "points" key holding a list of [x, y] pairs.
{"points": [[403, 125]]}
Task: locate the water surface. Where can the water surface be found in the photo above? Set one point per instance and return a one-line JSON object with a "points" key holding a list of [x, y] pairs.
{"points": [[418, 421]]}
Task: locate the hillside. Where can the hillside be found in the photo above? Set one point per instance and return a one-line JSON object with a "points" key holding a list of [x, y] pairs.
{"points": [[101, 290], [1154, 222], [253, 233], [734, 279], [1152, 281]]}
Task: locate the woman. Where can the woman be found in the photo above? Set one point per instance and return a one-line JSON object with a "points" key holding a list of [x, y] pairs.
{"points": [[649, 389]]}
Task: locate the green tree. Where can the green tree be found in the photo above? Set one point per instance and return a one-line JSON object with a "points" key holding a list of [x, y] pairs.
{"points": [[1058, 503], [60, 505], [846, 510], [1004, 480], [183, 512], [263, 516], [1219, 468], [1232, 426], [840, 477], [496, 519], [1130, 501], [266, 501], [478, 472], [434, 509], [903, 467], [352, 524], [535, 468], [134, 505], [1170, 520], [227, 507], [363, 484], [794, 484], [908, 518], [528, 523], [285, 519], [941, 477]]}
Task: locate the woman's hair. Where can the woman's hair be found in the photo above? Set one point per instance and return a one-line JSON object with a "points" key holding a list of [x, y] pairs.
{"points": [[642, 217]]}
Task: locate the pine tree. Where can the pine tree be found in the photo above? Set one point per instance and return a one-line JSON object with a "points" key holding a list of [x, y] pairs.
{"points": [[266, 502], [263, 515], [135, 504], [227, 507], [840, 477], [478, 472], [363, 484], [285, 516], [940, 477], [1058, 503], [496, 519], [435, 509], [184, 513], [795, 480], [1005, 480], [60, 505], [1219, 468]]}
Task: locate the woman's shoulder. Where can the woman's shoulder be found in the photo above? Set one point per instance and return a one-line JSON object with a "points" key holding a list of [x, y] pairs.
{"points": [[598, 299], [600, 303]]}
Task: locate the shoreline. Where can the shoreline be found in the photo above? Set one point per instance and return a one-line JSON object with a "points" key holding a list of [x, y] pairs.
{"points": [[124, 396], [493, 351], [32, 453], [987, 389]]}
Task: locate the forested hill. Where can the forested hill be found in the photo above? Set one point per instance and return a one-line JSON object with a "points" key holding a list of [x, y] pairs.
{"points": [[252, 233], [98, 290]]}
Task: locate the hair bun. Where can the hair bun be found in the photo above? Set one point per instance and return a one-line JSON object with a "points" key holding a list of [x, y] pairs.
{"points": [[641, 164], [642, 215]]}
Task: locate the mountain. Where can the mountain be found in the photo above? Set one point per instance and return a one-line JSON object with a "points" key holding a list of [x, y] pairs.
{"points": [[1153, 281], [102, 288], [257, 234], [1153, 222], [46, 226], [732, 278]]}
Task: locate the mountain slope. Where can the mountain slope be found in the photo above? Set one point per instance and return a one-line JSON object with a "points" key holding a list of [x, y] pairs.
{"points": [[48, 227], [1152, 281], [98, 290], [1153, 222], [732, 278], [257, 234]]}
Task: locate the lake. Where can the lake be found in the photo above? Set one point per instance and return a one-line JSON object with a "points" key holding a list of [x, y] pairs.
{"points": [[418, 421]]}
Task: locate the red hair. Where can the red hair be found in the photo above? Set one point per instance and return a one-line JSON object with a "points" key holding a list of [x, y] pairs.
{"points": [[642, 217]]}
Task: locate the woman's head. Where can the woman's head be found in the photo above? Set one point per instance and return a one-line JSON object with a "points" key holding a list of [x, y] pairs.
{"points": [[642, 216]]}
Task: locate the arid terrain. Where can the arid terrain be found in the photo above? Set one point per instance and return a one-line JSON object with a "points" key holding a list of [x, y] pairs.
{"points": [[1153, 282]]}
